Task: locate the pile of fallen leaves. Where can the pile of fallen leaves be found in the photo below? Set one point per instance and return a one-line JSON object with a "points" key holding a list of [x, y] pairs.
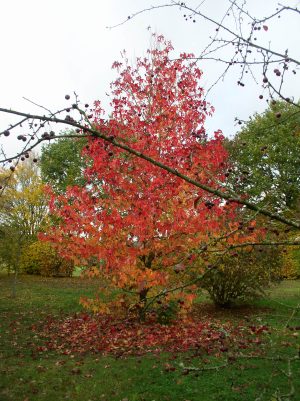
{"points": [[84, 333]]}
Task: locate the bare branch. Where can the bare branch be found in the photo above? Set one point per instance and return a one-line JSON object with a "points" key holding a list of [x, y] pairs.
{"points": [[218, 24]]}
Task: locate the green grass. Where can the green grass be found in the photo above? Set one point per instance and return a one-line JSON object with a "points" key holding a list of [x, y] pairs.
{"points": [[27, 376]]}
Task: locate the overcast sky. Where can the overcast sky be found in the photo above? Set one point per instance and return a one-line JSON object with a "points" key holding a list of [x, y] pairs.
{"points": [[51, 48]]}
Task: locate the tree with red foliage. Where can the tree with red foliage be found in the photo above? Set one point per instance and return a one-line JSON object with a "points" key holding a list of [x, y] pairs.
{"points": [[138, 220]]}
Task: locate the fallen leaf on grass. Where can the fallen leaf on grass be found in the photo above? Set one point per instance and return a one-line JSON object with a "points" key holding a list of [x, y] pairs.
{"points": [[76, 371], [83, 333], [41, 368]]}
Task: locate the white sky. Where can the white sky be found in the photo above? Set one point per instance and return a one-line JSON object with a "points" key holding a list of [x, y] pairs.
{"points": [[51, 48]]}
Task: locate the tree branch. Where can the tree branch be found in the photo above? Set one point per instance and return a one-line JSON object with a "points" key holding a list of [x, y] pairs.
{"points": [[113, 141]]}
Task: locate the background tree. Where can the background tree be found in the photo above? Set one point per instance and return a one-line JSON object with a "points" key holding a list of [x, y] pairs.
{"points": [[62, 164], [23, 212], [23, 202], [266, 159]]}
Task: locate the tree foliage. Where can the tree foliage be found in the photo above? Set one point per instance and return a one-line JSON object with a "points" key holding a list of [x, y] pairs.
{"points": [[23, 209], [61, 163], [266, 158], [41, 258], [139, 222], [23, 203], [243, 275]]}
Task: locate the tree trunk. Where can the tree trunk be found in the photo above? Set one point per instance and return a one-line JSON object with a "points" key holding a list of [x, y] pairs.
{"points": [[142, 303], [16, 271]]}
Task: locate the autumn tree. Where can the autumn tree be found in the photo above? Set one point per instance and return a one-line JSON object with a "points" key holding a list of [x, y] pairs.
{"points": [[273, 68], [23, 202], [139, 222], [23, 211]]}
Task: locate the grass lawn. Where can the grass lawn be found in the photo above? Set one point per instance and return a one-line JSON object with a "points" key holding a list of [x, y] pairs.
{"points": [[28, 375]]}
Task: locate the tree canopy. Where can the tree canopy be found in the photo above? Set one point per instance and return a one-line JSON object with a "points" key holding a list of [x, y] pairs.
{"points": [[62, 164], [266, 158], [138, 221], [23, 208]]}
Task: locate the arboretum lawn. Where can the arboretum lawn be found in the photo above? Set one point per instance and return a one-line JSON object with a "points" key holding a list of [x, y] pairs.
{"points": [[29, 373]]}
